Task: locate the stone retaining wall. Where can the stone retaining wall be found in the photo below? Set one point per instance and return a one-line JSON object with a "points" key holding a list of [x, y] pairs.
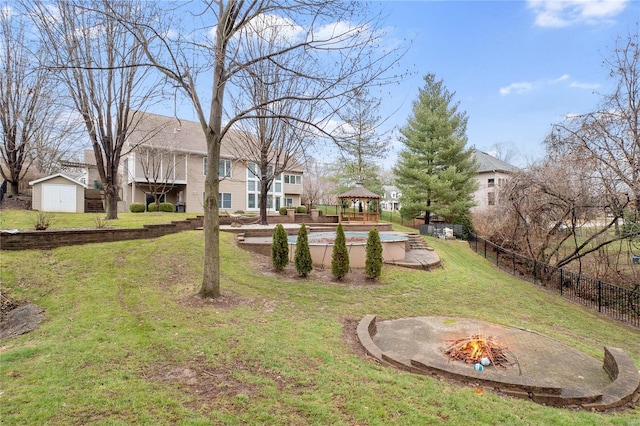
{"points": [[52, 238]]}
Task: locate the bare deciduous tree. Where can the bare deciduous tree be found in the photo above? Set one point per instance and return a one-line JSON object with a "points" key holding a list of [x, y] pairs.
{"points": [[609, 138], [96, 59], [158, 165], [553, 213], [360, 142], [318, 187], [325, 33], [504, 151], [30, 117], [276, 134]]}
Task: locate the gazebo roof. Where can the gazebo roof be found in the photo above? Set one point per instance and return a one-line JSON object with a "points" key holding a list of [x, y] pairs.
{"points": [[359, 191]]}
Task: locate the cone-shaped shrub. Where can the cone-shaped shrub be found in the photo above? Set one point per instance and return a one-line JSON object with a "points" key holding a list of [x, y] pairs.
{"points": [[373, 263], [340, 255], [302, 257], [279, 248]]}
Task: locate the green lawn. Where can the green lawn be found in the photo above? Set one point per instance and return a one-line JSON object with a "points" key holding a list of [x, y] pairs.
{"points": [[124, 341], [21, 219]]}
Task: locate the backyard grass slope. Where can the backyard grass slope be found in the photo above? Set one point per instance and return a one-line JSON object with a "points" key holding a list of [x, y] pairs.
{"points": [[124, 340]]}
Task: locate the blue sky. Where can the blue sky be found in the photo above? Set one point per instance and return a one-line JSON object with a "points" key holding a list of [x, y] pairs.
{"points": [[517, 67]]}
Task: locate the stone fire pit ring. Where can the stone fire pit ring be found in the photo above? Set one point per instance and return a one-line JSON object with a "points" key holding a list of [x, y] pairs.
{"points": [[544, 370]]}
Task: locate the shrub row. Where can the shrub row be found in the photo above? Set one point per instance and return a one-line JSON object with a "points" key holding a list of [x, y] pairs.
{"points": [[140, 208], [339, 258]]}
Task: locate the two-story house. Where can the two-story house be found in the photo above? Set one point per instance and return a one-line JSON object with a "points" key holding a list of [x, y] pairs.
{"points": [[390, 199], [168, 157], [491, 175]]}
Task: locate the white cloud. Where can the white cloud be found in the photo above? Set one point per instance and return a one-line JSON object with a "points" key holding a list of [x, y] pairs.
{"points": [[273, 27], [524, 87], [564, 13], [563, 77], [589, 86], [517, 88]]}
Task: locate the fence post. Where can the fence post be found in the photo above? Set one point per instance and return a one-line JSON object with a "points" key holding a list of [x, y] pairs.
{"points": [[497, 256], [534, 270], [514, 263], [485, 248], [599, 296]]}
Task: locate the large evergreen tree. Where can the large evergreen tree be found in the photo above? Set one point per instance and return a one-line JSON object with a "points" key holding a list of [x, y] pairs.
{"points": [[435, 171], [361, 145]]}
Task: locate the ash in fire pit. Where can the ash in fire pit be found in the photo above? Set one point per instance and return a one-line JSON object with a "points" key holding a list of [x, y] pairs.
{"points": [[478, 349]]}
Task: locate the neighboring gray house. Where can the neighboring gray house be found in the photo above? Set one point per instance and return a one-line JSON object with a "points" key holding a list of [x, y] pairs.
{"points": [[390, 199], [491, 176]]}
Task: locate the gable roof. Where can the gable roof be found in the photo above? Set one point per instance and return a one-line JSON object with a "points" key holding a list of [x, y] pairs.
{"points": [[488, 163], [185, 136], [358, 191], [180, 135], [61, 175]]}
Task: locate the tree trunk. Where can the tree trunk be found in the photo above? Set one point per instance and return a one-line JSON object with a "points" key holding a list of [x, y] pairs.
{"points": [[211, 277], [111, 201], [427, 213], [12, 187], [263, 202]]}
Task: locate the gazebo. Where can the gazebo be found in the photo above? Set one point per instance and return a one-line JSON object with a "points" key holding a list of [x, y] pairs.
{"points": [[365, 205]]}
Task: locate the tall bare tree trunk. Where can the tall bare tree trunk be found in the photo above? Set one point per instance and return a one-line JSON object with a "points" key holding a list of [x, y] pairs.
{"points": [[211, 277]]}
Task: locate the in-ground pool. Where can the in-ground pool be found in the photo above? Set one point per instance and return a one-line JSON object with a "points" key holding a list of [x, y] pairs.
{"points": [[321, 247]]}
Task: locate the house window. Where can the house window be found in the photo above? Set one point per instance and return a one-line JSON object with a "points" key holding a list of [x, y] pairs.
{"points": [[274, 197], [288, 202], [224, 200], [293, 179], [224, 168], [491, 182], [393, 195], [491, 198]]}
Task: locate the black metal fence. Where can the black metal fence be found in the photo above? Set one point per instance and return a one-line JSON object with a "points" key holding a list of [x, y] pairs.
{"points": [[620, 303]]}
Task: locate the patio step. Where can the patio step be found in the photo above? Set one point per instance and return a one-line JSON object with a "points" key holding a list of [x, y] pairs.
{"points": [[416, 242]]}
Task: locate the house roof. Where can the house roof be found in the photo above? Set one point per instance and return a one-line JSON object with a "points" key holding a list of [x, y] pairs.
{"points": [[358, 191], [187, 136], [488, 163], [171, 132], [61, 175]]}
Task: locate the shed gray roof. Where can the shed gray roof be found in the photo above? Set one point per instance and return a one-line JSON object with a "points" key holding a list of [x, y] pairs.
{"points": [[488, 163]]}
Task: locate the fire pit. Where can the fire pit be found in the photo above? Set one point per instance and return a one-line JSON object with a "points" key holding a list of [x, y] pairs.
{"points": [[532, 365], [478, 349]]}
